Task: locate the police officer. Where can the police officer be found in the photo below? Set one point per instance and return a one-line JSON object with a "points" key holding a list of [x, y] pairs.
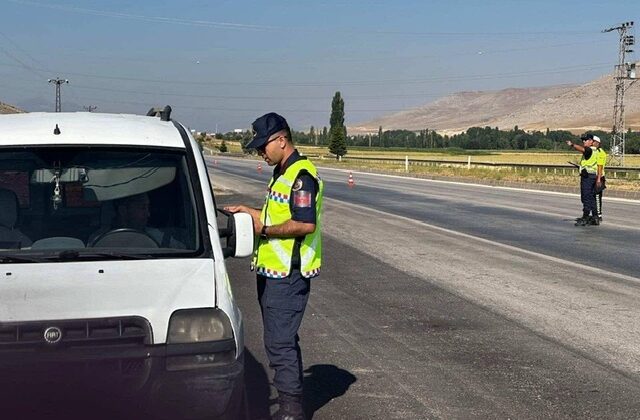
{"points": [[601, 161], [287, 255], [588, 175]]}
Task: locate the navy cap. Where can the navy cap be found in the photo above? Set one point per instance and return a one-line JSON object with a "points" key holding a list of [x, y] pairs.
{"points": [[587, 137], [265, 127]]}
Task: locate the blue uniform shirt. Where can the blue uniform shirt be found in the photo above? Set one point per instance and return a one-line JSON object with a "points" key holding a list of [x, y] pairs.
{"points": [[302, 201], [303, 195]]}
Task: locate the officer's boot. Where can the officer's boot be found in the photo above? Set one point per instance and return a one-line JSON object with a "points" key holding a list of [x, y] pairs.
{"points": [[594, 221], [290, 407], [583, 221]]}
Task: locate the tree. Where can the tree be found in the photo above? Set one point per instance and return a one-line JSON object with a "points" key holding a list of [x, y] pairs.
{"points": [[313, 136], [337, 132], [202, 137], [380, 136], [223, 147]]}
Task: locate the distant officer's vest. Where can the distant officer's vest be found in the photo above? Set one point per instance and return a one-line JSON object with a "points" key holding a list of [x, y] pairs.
{"points": [[590, 165], [273, 256], [602, 159]]}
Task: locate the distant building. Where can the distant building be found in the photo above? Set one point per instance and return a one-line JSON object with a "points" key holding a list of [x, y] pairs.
{"points": [[238, 130]]}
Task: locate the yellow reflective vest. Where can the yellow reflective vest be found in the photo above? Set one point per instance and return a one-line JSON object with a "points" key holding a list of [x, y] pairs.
{"points": [[273, 256], [591, 164], [601, 159]]}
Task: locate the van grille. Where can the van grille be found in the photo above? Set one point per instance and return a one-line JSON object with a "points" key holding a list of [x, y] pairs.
{"points": [[75, 333]]}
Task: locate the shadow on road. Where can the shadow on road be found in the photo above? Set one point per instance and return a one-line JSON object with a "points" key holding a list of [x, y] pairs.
{"points": [[257, 383], [322, 383]]}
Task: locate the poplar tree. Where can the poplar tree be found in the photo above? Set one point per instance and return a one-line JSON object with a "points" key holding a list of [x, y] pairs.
{"points": [[337, 131]]}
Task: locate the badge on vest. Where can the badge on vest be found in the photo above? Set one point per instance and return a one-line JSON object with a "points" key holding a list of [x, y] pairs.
{"points": [[298, 185], [302, 199]]}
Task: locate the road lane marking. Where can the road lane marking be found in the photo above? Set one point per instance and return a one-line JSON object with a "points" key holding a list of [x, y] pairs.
{"points": [[483, 240], [622, 200], [502, 206], [595, 270]]}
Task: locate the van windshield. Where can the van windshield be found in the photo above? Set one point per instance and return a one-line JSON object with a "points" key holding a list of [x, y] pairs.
{"points": [[72, 202]]}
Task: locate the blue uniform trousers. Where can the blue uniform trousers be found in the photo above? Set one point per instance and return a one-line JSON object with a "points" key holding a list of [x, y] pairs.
{"points": [[282, 302], [588, 195]]}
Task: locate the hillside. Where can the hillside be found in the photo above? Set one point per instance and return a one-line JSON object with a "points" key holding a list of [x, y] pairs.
{"points": [[586, 107], [575, 108], [9, 109]]}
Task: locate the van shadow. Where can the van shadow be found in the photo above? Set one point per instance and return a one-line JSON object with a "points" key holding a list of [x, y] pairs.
{"points": [[257, 386], [322, 383]]}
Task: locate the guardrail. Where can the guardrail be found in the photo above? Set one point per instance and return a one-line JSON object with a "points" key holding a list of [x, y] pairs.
{"points": [[559, 169], [563, 169]]}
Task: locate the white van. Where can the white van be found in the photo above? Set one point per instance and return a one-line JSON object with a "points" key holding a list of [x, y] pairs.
{"points": [[113, 281]]}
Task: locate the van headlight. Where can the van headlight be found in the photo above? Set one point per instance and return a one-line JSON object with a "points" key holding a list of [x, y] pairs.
{"points": [[198, 325]]}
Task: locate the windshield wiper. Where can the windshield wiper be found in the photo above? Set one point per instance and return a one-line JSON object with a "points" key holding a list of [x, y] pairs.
{"points": [[17, 259], [72, 254]]}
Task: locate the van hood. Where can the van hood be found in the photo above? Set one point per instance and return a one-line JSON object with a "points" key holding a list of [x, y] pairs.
{"points": [[152, 289]]}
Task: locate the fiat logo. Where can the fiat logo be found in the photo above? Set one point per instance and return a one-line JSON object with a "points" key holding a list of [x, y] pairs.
{"points": [[52, 335]]}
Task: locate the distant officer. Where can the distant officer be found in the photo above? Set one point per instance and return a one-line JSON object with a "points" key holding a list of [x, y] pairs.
{"points": [[601, 161], [287, 256], [588, 175]]}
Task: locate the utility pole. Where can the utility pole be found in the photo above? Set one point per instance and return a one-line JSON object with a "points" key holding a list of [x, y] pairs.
{"points": [[90, 108], [58, 82], [625, 75]]}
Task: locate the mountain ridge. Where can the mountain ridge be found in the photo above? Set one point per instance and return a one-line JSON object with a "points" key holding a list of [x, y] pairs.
{"points": [[575, 108]]}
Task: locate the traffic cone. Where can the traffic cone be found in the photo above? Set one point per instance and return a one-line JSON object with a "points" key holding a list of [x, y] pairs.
{"points": [[351, 182], [259, 167]]}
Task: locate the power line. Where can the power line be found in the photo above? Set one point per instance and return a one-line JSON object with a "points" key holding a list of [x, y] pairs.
{"points": [[333, 84], [382, 56], [280, 28], [206, 108]]}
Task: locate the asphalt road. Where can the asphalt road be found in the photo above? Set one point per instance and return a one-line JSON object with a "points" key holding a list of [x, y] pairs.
{"points": [[443, 300]]}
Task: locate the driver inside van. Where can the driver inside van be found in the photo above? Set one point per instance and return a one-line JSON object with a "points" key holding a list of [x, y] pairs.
{"points": [[10, 236], [133, 213]]}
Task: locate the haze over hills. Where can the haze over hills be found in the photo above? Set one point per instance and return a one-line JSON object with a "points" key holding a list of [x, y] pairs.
{"points": [[576, 108]]}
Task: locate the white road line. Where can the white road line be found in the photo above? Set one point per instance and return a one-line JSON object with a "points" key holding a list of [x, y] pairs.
{"points": [[494, 243], [502, 206], [623, 200]]}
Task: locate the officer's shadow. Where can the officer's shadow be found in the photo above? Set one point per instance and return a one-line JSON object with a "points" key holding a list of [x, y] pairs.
{"points": [[322, 383]]}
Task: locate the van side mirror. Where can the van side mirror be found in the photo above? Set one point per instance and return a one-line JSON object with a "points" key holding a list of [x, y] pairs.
{"points": [[239, 235]]}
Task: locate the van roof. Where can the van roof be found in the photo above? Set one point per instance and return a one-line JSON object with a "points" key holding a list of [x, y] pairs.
{"points": [[87, 128]]}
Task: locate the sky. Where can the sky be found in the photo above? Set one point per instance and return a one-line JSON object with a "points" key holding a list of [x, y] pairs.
{"points": [[222, 63]]}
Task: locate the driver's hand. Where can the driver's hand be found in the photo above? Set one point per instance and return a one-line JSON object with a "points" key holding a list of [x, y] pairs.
{"points": [[236, 209]]}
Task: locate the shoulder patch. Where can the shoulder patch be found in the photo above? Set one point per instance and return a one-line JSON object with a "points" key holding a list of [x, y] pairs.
{"points": [[297, 185], [302, 199]]}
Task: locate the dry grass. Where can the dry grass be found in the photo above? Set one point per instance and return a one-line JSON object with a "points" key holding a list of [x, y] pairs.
{"points": [[535, 158], [489, 174]]}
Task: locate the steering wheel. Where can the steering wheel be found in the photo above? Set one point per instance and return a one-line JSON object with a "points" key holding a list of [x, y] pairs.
{"points": [[132, 236]]}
